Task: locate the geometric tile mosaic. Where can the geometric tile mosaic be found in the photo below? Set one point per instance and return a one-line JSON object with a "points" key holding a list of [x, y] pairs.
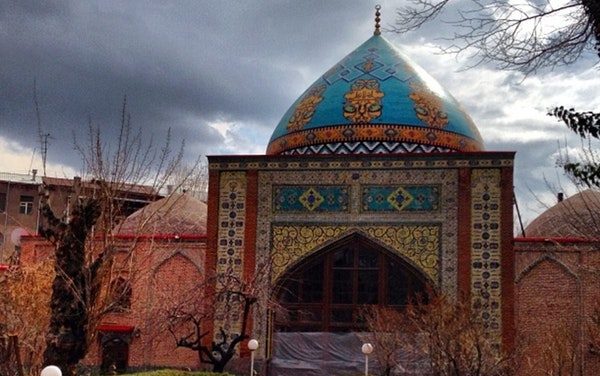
{"points": [[230, 248], [366, 147], [367, 162], [486, 249], [364, 138], [353, 175], [378, 198], [386, 228], [419, 243], [232, 216], [307, 175], [305, 199]]}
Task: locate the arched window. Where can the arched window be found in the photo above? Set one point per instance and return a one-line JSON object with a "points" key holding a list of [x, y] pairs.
{"points": [[120, 292], [329, 290]]}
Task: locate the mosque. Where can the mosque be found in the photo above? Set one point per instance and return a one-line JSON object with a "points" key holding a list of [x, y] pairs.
{"points": [[376, 185]]}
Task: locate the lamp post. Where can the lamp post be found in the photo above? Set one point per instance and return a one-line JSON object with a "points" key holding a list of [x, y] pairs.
{"points": [[252, 346], [367, 348], [51, 371]]}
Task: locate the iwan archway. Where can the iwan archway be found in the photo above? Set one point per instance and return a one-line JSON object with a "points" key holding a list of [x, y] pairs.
{"points": [[329, 290]]}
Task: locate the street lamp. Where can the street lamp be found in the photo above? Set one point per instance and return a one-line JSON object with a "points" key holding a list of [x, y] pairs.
{"points": [[51, 371], [252, 346], [367, 348]]}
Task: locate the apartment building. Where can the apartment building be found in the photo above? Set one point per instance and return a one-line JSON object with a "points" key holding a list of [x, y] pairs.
{"points": [[19, 210], [20, 203]]}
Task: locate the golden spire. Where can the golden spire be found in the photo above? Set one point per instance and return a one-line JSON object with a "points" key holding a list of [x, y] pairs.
{"points": [[377, 19]]}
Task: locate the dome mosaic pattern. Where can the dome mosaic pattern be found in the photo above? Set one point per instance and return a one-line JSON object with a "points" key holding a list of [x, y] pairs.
{"points": [[376, 100]]}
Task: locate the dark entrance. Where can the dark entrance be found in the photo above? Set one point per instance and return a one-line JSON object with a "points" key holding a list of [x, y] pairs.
{"points": [[328, 291], [115, 354]]}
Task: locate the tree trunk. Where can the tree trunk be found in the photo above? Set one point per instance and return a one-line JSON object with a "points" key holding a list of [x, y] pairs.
{"points": [[66, 338], [66, 341]]}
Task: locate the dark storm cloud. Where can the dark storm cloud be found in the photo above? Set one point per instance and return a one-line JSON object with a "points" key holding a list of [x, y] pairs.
{"points": [[181, 64]]}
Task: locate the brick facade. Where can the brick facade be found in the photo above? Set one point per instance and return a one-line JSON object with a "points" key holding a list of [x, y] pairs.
{"points": [[556, 293], [526, 286], [304, 204], [162, 267]]}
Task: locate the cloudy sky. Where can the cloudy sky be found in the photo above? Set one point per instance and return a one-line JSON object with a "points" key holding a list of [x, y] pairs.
{"points": [[222, 73]]}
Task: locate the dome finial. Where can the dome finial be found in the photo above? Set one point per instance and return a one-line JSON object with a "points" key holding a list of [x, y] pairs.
{"points": [[377, 19]]}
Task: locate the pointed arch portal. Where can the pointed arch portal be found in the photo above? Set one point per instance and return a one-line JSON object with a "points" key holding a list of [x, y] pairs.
{"points": [[327, 291]]}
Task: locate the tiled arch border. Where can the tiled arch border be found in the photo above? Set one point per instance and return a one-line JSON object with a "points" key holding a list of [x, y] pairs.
{"points": [[447, 216], [308, 244]]}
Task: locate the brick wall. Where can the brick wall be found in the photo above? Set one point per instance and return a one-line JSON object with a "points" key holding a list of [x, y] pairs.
{"points": [[161, 267], [556, 293]]}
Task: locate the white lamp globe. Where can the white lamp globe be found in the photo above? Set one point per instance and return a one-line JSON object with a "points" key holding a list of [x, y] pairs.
{"points": [[252, 345], [51, 371], [367, 348]]}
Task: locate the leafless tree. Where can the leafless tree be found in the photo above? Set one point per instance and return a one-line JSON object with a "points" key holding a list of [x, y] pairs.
{"points": [[191, 179], [522, 35], [24, 313], [389, 334], [593, 329], [224, 299], [85, 246], [525, 35], [444, 336], [553, 351]]}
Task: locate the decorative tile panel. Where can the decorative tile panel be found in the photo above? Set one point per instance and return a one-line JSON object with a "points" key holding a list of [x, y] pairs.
{"points": [[378, 198], [486, 248], [354, 174], [309, 175], [232, 216], [304, 199], [418, 243], [349, 163], [230, 251]]}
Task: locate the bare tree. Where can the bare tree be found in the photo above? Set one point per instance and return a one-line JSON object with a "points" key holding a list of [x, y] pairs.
{"points": [[527, 36], [523, 35], [224, 299], [559, 355], [442, 336], [387, 327], [84, 244], [593, 329], [191, 179], [552, 351], [24, 312]]}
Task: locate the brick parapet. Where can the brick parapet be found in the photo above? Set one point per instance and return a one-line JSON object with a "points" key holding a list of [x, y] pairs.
{"points": [[508, 260]]}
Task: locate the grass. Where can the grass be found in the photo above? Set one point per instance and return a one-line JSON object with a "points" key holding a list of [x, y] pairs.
{"points": [[176, 372]]}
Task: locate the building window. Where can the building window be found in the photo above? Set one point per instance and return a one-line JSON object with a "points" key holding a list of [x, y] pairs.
{"points": [[329, 290], [120, 292], [1, 238], [26, 205], [2, 202]]}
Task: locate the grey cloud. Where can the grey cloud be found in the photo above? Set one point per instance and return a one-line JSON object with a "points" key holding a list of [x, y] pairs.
{"points": [[186, 64], [24, 9], [240, 61]]}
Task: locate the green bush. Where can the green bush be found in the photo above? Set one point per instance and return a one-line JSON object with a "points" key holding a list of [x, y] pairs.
{"points": [[176, 372]]}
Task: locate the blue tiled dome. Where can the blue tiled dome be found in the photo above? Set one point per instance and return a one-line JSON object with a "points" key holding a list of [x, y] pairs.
{"points": [[376, 100]]}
